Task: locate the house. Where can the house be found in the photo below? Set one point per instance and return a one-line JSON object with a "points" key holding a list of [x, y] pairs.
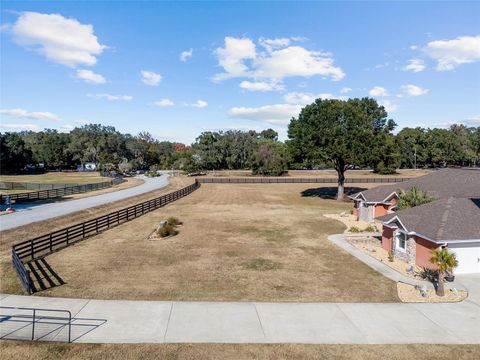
{"points": [[451, 222], [380, 201]]}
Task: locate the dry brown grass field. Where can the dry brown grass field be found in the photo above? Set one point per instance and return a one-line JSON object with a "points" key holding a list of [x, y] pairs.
{"points": [[238, 242], [54, 351], [8, 281]]}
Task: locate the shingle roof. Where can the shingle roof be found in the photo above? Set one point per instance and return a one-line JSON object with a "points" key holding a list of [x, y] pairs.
{"points": [[442, 220], [438, 184]]}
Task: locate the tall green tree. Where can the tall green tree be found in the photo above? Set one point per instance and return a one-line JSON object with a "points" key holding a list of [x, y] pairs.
{"points": [[412, 146], [15, 155], [444, 147], [338, 133]]}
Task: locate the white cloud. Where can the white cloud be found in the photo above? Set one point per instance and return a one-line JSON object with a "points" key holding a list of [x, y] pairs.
{"points": [[280, 60], [274, 114], [232, 56], [452, 53], [389, 105], [35, 115], [378, 91], [415, 65], [186, 54], [19, 127], [110, 97], [473, 119], [345, 90], [296, 61], [150, 78], [164, 103], [261, 86], [90, 77], [62, 40], [413, 90], [200, 104], [270, 44], [299, 98]]}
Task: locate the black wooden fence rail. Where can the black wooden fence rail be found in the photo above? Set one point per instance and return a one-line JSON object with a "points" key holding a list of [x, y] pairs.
{"points": [[55, 193], [41, 246], [293, 180]]}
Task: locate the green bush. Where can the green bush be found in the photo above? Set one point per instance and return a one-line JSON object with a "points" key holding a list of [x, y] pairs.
{"points": [[370, 228], [354, 229], [167, 230]]}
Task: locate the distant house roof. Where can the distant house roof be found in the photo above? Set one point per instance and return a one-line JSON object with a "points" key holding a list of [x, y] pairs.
{"points": [[438, 184], [442, 220]]}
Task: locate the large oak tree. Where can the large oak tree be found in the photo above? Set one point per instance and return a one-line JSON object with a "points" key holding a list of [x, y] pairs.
{"points": [[338, 133]]}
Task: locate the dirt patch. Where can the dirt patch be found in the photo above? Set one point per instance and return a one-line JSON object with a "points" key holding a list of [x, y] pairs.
{"points": [[226, 230], [260, 264]]}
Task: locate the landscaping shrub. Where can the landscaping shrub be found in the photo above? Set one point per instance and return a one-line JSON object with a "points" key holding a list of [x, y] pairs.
{"points": [[174, 221], [428, 274], [391, 256], [370, 228], [167, 230], [354, 229]]}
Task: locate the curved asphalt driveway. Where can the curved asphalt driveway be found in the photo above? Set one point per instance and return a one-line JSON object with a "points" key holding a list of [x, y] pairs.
{"points": [[28, 213]]}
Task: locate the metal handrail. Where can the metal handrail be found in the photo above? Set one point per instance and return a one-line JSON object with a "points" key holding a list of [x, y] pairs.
{"points": [[34, 317]]}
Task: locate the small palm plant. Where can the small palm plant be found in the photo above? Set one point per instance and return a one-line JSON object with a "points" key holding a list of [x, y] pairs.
{"points": [[412, 198], [445, 262]]}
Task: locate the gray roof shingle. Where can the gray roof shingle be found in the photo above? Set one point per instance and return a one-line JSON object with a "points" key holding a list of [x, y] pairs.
{"points": [[442, 220], [438, 184]]}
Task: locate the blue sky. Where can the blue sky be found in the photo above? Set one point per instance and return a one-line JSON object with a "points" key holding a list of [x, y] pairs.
{"points": [[245, 65]]}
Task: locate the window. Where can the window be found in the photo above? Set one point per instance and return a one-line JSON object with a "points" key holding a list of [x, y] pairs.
{"points": [[401, 243]]}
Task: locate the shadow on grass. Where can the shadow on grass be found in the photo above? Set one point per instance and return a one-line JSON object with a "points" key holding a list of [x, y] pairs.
{"points": [[331, 192]]}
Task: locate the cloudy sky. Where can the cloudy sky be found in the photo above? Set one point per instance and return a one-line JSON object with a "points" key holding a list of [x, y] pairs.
{"points": [[177, 69]]}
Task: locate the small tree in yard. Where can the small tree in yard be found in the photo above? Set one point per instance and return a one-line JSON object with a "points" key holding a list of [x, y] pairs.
{"points": [[340, 134], [445, 262], [269, 159], [411, 198]]}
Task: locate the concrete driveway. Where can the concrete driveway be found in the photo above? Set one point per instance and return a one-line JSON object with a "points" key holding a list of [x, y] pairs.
{"points": [[38, 211]]}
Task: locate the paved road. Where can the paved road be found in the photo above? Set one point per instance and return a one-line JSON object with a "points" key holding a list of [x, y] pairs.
{"points": [[29, 213], [110, 321]]}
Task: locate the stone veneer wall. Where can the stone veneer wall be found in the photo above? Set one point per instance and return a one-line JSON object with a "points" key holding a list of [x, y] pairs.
{"points": [[410, 255]]}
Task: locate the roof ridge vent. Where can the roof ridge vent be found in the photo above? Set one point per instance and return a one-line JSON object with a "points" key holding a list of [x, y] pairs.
{"points": [[443, 221]]}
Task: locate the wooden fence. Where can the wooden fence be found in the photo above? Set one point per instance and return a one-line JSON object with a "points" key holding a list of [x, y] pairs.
{"points": [[55, 193], [44, 245], [293, 180]]}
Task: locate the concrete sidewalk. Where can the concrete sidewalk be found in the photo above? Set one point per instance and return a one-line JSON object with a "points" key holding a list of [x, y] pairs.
{"points": [[39, 211], [111, 321]]}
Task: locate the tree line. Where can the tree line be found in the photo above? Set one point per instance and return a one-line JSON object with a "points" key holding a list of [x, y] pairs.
{"points": [[342, 134]]}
